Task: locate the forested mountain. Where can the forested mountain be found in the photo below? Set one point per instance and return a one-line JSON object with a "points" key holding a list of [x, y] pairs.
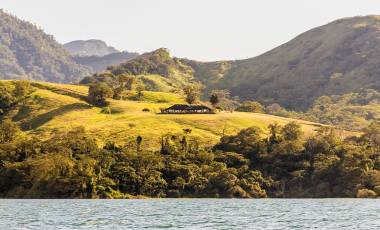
{"points": [[336, 58], [90, 47], [157, 70], [26, 52], [98, 64]]}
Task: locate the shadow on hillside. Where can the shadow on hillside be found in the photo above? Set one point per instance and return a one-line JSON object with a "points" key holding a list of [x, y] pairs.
{"points": [[66, 92], [46, 117]]}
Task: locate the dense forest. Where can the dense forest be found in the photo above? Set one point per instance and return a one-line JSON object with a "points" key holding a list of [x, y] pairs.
{"points": [[72, 165], [26, 52]]}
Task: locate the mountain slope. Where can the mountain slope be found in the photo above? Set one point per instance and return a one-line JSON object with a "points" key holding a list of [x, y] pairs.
{"points": [[91, 47], [26, 52], [336, 58]]}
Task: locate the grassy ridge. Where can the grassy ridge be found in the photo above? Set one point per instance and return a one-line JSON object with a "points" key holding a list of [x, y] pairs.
{"points": [[57, 107]]}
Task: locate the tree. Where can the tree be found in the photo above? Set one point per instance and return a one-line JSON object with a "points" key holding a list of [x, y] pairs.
{"points": [[6, 98], [221, 99], [192, 93], [8, 131], [139, 140], [219, 96], [274, 137], [123, 82], [129, 81], [273, 108], [98, 93], [214, 99], [251, 106], [140, 87], [292, 131], [22, 90]]}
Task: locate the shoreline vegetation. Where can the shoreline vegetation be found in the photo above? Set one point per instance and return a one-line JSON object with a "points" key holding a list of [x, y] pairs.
{"points": [[273, 161]]}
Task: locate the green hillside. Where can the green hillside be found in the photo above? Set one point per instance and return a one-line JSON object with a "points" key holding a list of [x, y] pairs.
{"points": [[26, 52], [333, 59], [58, 107], [158, 70]]}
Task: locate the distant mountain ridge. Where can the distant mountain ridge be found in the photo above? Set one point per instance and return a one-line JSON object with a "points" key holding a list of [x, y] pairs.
{"points": [[92, 47], [99, 64], [26, 52]]}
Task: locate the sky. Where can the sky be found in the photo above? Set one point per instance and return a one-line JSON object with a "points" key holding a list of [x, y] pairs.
{"points": [[204, 30]]}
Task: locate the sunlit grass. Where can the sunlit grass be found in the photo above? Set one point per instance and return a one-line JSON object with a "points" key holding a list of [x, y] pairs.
{"points": [[54, 112]]}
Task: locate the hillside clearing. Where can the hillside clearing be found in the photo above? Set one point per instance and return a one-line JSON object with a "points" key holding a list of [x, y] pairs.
{"points": [[57, 107]]}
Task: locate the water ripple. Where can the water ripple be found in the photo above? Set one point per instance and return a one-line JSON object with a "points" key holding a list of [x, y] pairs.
{"points": [[190, 214]]}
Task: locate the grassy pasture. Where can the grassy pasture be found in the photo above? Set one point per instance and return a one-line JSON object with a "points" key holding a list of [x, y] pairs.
{"points": [[57, 107]]}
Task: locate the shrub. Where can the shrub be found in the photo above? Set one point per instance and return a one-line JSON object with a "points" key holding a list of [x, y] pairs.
{"points": [[366, 193], [251, 106], [98, 93], [146, 110]]}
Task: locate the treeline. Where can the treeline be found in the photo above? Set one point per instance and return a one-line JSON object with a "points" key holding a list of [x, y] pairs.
{"points": [[354, 110], [13, 94], [251, 164]]}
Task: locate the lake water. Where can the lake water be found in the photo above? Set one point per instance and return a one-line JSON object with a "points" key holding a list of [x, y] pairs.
{"points": [[190, 214]]}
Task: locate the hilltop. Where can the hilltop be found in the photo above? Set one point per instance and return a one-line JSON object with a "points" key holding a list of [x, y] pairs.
{"points": [[59, 107], [157, 69], [92, 47], [28, 53]]}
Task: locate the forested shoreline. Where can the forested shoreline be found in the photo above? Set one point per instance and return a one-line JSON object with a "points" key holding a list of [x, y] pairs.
{"points": [[247, 165]]}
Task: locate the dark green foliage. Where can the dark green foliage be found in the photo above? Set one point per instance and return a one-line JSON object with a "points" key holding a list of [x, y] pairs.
{"points": [[214, 99], [192, 94], [71, 165], [28, 53], [251, 106], [98, 94], [352, 111], [221, 99], [14, 93], [6, 98], [247, 165], [8, 131], [324, 165]]}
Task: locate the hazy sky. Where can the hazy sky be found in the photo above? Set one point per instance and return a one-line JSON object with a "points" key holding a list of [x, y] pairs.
{"points": [[197, 29]]}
